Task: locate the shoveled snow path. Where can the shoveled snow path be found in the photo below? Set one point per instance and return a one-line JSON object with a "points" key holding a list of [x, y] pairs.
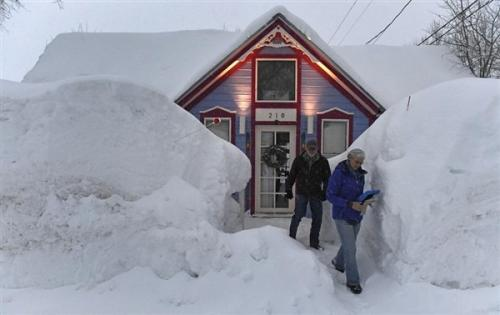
{"points": [[383, 295]]}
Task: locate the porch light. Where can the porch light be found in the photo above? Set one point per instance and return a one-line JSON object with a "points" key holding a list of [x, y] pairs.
{"points": [[242, 101]]}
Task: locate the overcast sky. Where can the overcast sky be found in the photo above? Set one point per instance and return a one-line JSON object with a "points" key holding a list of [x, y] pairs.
{"points": [[25, 35]]}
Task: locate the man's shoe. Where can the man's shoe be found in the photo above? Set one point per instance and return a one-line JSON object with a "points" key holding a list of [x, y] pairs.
{"points": [[337, 267], [355, 288], [317, 246]]}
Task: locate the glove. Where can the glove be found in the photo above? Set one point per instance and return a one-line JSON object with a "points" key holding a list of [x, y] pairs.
{"points": [[358, 206], [289, 194]]}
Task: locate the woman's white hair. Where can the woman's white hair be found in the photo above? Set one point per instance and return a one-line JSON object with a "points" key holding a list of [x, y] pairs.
{"points": [[356, 153]]}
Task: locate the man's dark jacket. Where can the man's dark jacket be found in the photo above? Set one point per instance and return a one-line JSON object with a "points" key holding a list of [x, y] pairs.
{"points": [[311, 182]]}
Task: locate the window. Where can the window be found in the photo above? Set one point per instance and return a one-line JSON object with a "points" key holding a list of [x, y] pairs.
{"points": [[276, 80], [335, 131], [220, 121], [334, 137], [221, 129]]}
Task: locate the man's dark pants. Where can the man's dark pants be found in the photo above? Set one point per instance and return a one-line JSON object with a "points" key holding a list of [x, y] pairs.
{"points": [[316, 204]]}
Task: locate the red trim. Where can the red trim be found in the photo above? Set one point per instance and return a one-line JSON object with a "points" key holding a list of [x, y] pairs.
{"points": [[278, 56], [276, 123], [183, 99], [292, 104], [255, 105], [252, 141], [279, 19], [333, 114], [340, 89], [190, 98], [334, 68], [299, 106], [213, 86], [221, 113]]}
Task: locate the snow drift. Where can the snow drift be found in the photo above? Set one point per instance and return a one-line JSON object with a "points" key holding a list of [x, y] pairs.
{"points": [[437, 161], [108, 189], [97, 175]]}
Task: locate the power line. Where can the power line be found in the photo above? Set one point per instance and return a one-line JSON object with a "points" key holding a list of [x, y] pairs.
{"points": [[457, 15], [355, 22], [435, 40], [385, 28], [343, 20]]}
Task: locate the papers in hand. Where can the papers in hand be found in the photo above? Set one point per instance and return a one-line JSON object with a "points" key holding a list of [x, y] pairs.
{"points": [[367, 196]]}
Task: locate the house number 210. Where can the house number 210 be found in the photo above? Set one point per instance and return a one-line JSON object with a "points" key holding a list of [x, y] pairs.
{"points": [[276, 115]]}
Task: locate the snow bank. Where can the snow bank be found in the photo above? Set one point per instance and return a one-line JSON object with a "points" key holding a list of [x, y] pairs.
{"points": [[259, 271], [390, 73], [437, 161], [99, 176]]}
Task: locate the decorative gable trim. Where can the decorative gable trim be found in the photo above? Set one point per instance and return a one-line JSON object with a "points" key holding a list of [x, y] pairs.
{"points": [[279, 32], [215, 108], [332, 111]]}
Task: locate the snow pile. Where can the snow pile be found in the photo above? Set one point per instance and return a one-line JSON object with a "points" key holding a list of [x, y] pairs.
{"points": [[390, 73], [259, 271], [437, 162], [99, 176]]}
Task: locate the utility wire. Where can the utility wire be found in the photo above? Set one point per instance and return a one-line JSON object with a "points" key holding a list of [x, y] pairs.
{"points": [[343, 20], [385, 28], [473, 12], [355, 22], [457, 15]]}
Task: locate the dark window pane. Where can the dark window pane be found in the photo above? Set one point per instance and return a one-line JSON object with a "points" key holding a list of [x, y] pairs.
{"points": [[281, 201], [280, 184], [275, 80], [282, 138]]}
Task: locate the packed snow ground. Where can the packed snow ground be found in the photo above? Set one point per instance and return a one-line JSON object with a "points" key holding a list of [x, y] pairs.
{"points": [[106, 210]]}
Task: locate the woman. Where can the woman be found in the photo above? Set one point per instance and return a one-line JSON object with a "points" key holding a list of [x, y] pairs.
{"points": [[344, 186]]}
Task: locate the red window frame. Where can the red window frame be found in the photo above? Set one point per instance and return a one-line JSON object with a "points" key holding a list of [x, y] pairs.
{"points": [[222, 113], [332, 115]]}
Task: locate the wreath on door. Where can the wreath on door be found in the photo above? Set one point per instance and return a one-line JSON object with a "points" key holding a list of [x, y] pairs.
{"points": [[275, 156]]}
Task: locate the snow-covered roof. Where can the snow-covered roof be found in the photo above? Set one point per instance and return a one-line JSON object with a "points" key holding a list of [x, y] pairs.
{"points": [[173, 61]]}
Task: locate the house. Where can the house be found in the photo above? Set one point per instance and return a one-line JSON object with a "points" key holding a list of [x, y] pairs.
{"points": [[265, 90]]}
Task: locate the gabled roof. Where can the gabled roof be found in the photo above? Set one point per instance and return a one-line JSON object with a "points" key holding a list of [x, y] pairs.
{"points": [[172, 62], [280, 27]]}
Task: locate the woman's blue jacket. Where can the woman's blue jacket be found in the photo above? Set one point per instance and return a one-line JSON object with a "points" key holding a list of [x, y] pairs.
{"points": [[345, 185]]}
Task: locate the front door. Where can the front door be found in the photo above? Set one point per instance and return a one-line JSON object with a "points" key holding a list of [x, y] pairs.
{"points": [[271, 170]]}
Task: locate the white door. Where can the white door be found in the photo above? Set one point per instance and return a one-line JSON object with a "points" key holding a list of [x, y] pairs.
{"points": [[270, 181]]}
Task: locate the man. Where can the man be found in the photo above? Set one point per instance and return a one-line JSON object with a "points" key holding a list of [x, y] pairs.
{"points": [[310, 172], [344, 187]]}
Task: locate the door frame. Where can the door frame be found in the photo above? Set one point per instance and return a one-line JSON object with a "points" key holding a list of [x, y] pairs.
{"points": [[292, 128]]}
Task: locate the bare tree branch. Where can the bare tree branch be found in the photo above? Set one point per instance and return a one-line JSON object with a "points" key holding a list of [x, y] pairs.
{"points": [[8, 7], [472, 31]]}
